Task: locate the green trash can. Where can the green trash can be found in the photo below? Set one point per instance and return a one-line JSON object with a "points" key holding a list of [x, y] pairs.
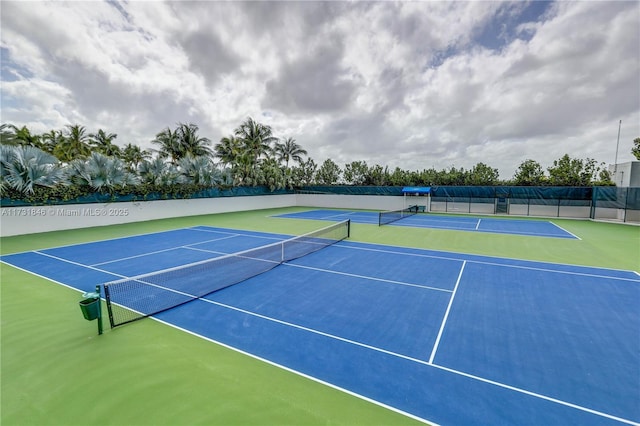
{"points": [[90, 306]]}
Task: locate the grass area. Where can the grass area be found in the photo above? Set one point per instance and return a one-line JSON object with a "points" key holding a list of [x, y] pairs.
{"points": [[607, 245], [56, 370]]}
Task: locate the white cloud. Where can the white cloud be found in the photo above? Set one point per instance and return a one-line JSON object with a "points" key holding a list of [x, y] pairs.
{"points": [[405, 84]]}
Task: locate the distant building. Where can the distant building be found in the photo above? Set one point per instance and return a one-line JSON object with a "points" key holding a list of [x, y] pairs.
{"points": [[626, 174]]}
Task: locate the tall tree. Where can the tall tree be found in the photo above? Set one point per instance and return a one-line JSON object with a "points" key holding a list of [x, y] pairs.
{"points": [[355, 173], [133, 155], [228, 150], [604, 178], [289, 150], [305, 173], [51, 139], [481, 174], [7, 134], [256, 139], [74, 145], [529, 173], [568, 171], [167, 140], [13, 135], [398, 177], [190, 142], [102, 142], [328, 173], [453, 176], [376, 175]]}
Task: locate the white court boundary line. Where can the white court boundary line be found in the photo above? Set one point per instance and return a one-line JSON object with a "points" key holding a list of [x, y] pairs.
{"points": [[570, 233]]}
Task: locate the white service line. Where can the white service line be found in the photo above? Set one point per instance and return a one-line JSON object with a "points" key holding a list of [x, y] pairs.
{"points": [[330, 271], [446, 314]]}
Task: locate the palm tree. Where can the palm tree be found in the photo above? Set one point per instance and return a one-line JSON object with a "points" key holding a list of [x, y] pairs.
{"points": [[289, 150], [228, 150], [182, 142], [24, 167], [169, 146], [256, 139], [103, 142], [132, 155], [7, 134], [13, 135], [189, 141], [51, 139], [75, 144]]}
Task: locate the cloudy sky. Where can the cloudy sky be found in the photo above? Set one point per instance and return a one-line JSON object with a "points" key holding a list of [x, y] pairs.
{"points": [[408, 84]]}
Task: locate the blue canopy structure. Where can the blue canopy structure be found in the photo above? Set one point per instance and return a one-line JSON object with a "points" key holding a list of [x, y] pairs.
{"points": [[416, 190]]}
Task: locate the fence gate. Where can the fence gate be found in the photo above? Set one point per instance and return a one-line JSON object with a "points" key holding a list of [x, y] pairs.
{"points": [[502, 203]]}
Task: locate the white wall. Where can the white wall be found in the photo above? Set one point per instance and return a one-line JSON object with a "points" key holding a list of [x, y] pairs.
{"points": [[29, 220], [367, 202]]}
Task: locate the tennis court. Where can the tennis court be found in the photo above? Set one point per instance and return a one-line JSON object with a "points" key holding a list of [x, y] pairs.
{"points": [[535, 228], [440, 336]]}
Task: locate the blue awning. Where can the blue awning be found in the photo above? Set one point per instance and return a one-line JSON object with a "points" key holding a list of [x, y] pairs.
{"points": [[416, 190]]}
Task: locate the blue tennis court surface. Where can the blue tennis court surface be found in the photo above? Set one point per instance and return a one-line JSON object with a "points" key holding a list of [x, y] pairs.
{"points": [[444, 337], [457, 223]]}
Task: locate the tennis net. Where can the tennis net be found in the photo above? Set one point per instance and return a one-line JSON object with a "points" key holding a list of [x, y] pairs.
{"points": [[387, 217], [131, 299]]}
